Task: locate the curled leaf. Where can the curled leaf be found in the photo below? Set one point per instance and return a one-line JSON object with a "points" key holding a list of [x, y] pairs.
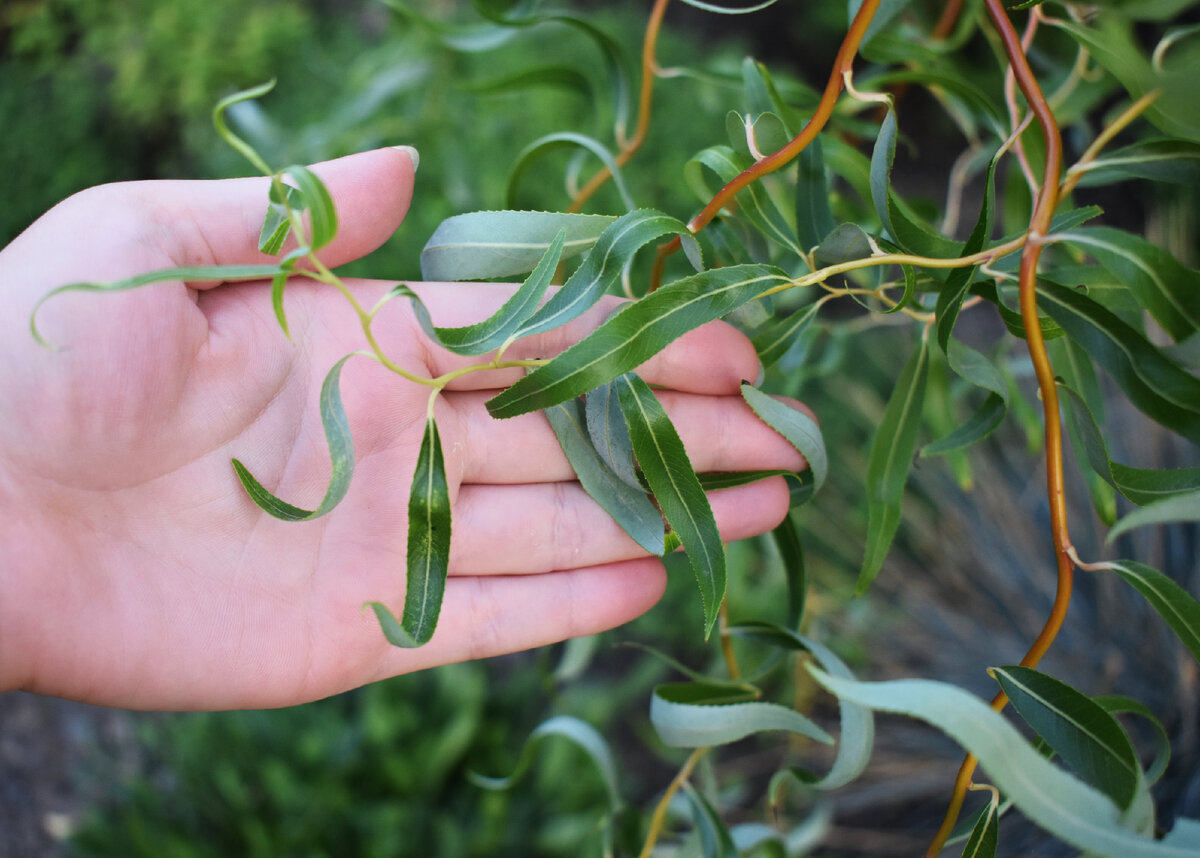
{"points": [[699, 715], [341, 454]]}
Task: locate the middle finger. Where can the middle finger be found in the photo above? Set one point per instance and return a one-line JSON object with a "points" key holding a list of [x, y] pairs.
{"points": [[720, 433]]}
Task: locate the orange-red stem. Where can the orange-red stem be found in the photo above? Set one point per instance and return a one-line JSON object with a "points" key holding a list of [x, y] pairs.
{"points": [[1047, 201], [843, 63], [645, 101]]}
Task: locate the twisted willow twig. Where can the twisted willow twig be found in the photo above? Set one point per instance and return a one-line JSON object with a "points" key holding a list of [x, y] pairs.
{"points": [[1047, 201], [842, 65]]}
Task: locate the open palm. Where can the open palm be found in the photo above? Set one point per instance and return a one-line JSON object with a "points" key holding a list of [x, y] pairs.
{"points": [[135, 571]]}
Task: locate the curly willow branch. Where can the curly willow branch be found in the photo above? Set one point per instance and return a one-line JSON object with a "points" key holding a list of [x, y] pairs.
{"points": [[1047, 200], [645, 101], [843, 64]]}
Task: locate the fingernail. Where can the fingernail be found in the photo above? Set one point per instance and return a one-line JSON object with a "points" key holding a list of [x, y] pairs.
{"points": [[413, 155], [762, 376]]}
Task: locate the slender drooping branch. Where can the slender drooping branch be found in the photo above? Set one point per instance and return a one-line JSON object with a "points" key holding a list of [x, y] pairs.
{"points": [[1046, 202], [645, 101], [660, 811], [843, 64]]}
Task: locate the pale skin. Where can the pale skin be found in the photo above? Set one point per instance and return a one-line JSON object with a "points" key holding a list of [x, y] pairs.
{"points": [[135, 571]]}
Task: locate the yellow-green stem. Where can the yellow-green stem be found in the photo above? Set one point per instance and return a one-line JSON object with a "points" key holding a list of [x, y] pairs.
{"points": [[660, 810]]}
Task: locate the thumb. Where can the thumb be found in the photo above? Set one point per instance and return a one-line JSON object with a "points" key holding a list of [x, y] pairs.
{"points": [[125, 229], [371, 193], [112, 232]]}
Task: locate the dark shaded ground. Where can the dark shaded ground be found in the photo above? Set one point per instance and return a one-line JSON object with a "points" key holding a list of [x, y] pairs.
{"points": [[49, 772]]}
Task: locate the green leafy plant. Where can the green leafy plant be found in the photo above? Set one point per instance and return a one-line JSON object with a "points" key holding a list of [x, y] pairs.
{"points": [[801, 230]]}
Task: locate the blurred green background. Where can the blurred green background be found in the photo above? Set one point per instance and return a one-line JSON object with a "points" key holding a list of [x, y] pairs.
{"points": [[94, 91]]}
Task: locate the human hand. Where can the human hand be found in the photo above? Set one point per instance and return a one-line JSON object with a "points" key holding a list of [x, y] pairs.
{"points": [[135, 571]]}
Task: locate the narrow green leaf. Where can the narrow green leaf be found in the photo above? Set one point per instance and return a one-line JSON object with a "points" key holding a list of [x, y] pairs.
{"points": [[600, 270], [715, 840], [753, 201], [882, 156], [887, 10], [1140, 485], [814, 218], [577, 657], [730, 10], [846, 243], [613, 56], [503, 325], [1169, 290], [1080, 731], [791, 556], [1173, 603], [279, 283], [978, 426], [910, 285], [468, 38], [1183, 507], [235, 142], [609, 433], [970, 94], [497, 244], [1074, 366], [323, 222], [1050, 797], [897, 218], [714, 481], [941, 418], [556, 76], [1116, 705], [627, 504], [634, 334], [665, 464], [428, 549], [952, 293], [773, 340], [1012, 318], [341, 454], [276, 223], [848, 164], [890, 460], [1176, 162], [800, 430], [223, 273], [974, 367], [700, 715], [762, 94], [883, 520], [1110, 39], [985, 833], [857, 736], [428, 539], [576, 731], [1154, 384]]}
